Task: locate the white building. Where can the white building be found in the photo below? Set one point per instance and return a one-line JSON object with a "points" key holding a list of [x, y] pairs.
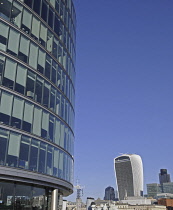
{"points": [[129, 175]]}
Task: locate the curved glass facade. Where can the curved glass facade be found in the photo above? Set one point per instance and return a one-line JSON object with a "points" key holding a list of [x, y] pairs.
{"points": [[37, 79]]}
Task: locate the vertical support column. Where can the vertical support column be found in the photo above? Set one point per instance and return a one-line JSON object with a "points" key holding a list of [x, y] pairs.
{"points": [[54, 201]]}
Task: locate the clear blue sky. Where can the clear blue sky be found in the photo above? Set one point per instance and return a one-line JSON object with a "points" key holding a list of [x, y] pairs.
{"points": [[124, 89]]}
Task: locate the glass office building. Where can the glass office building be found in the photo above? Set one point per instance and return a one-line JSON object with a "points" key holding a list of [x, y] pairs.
{"points": [[37, 76], [129, 176]]}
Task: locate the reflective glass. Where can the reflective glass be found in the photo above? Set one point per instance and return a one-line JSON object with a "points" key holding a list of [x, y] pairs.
{"points": [[3, 145], [5, 9], [16, 14], [13, 150], [23, 197], [36, 6], [24, 152], [7, 195], [26, 21], [17, 113], [3, 36], [9, 74], [44, 11], [13, 42], [5, 107], [33, 155], [21, 79], [42, 158]]}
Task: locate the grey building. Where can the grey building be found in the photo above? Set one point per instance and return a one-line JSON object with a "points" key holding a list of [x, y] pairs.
{"points": [[109, 194], [167, 187], [164, 176], [153, 189], [129, 175], [37, 73]]}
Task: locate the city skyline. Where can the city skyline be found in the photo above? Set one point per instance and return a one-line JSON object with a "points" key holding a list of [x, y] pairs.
{"points": [[124, 89]]}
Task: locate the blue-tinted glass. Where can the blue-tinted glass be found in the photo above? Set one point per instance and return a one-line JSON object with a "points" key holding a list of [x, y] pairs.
{"points": [[44, 11]]}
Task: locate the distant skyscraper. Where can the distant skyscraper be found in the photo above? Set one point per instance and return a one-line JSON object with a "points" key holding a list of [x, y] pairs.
{"points": [[109, 193], [129, 175], [164, 177]]}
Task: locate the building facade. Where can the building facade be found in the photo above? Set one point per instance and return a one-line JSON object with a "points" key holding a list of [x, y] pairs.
{"points": [[164, 176], [37, 78], [129, 175], [153, 189], [109, 194]]}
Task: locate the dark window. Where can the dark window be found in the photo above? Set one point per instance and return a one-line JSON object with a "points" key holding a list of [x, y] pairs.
{"points": [[51, 18], [28, 2], [42, 158], [38, 90], [23, 57], [44, 11], [3, 145], [46, 96], [57, 25], [48, 67], [33, 156], [36, 6], [3, 40]]}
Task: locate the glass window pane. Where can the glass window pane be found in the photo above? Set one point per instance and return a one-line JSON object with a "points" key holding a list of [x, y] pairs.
{"points": [[37, 121], [16, 14], [3, 36], [44, 11], [30, 84], [5, 107], [13, 149], [24, 49], [5, 9], [42, 158], [35, 28], [50, 160], [17, 113], [28, 115], [9, 74], [45, 123], [57, 132], [46, 95], [49, 41], [51, 18], [26, 21], [21, 79], [33, 155], [3, 145], [55, 162], [39, 89], [36, 6], [7, 194], [48, 67], [43, 35], [28, 3], [24, 152], [61, 168], [41, 61], [13, 42], [33, 55], [51, 127], [23, 197]]}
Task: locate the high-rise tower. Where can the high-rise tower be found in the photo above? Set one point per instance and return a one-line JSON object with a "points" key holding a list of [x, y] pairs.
{"points": [[164, 177], [109, 194], [129, 175], [37, 73]]}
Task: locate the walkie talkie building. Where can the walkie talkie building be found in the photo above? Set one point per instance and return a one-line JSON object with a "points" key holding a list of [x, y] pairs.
{"points": [[37, 76], [129, 175]]}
